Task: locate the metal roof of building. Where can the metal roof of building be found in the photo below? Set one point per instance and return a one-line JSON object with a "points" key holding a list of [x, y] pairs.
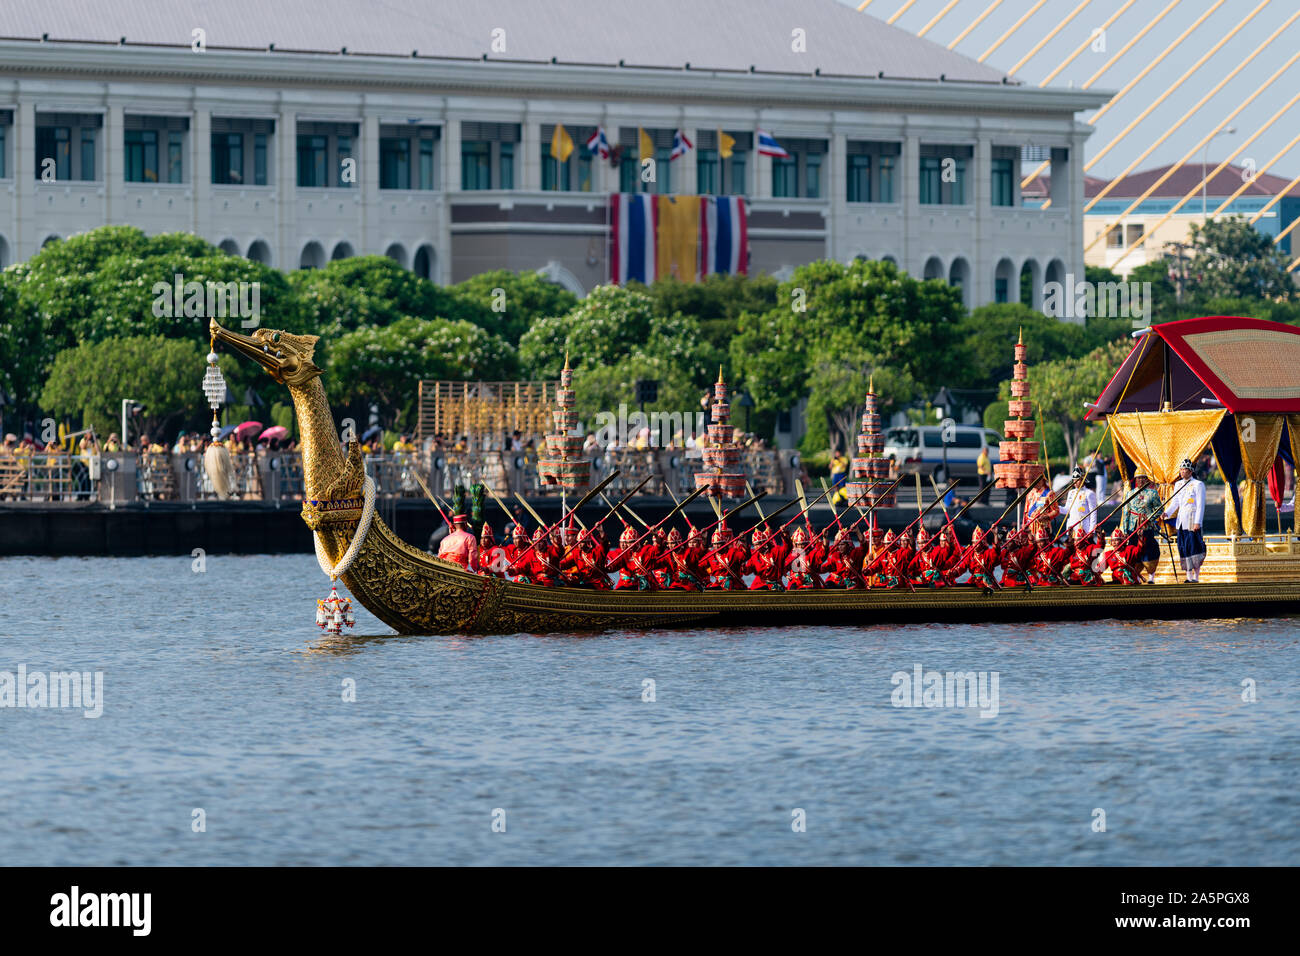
{"points": [[1188, 178], [707, 34]]}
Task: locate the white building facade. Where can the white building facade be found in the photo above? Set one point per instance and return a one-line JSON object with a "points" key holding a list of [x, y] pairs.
{"points": [[442, 163]]}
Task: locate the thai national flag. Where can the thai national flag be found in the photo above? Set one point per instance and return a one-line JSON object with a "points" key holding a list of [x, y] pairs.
{"points": [[633, 227], [768, 146], [598, 144], [681, 145], [724, 235]]}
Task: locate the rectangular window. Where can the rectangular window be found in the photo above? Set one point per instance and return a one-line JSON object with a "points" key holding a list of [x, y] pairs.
{"points": [[708, 172], [799, 175], [407, 156], [629, 173], [487, 155], [1134, 232], [312, 159], [426, 164], [141, 156], [241, 150], [395, 164], [67, 146], [736, 182], [259, 159], [785, 177], [813, 175], [88, 154], [887, 177], [507, 165], [929, 184], [555, 174], [859, 178], [999, 290], [3, 141], [663, 171], [228, 159], [1115, 238], [475, 165], [718, 175], [943, 174], [1003, 182], [345, 154], [176, 157]]}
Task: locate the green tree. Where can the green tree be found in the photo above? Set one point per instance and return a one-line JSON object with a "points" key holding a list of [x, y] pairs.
{"points": [[1164, 301], [1232, 259], [89, 381], [716, 302], [385, 364], [516, 299], [833, 327], [619, 329], [22, 348], [365, 291]]}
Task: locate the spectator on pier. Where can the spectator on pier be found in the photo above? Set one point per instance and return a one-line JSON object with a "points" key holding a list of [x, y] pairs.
{"points": [[112, 445], [10, 444]]}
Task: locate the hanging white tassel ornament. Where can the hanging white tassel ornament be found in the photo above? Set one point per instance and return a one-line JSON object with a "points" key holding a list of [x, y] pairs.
{"points": [[221, 470], [216, 460]]}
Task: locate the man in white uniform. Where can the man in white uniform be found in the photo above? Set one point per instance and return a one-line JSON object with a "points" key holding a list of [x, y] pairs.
{"points": [[1081, 506], [1188, 503]]}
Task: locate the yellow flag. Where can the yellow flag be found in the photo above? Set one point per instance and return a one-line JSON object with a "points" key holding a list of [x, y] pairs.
{"points": [[645, 145], [678, 239], [725, 143], [561, 143]]}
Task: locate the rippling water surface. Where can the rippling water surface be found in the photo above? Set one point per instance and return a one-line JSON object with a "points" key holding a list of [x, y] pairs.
{"points": [[221, 694]]}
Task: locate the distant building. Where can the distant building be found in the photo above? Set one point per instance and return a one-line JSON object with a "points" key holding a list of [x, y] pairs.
{"points": [[1260, 190], [243, 129]]}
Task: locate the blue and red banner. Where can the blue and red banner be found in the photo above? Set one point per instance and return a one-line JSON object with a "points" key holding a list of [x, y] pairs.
{"points": [[685, 237]]}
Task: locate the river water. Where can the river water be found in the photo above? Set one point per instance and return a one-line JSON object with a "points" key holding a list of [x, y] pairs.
{"points": [[225, 737]]}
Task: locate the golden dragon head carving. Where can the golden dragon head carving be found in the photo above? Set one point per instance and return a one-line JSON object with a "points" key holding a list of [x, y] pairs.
{"points": [[286, 357]]}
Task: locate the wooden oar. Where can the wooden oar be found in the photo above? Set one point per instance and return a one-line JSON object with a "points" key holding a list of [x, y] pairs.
{"points": [[429, 494], [651, 529], [685, 517], [761, 517], [792, 501], [865, 514], [639, 486], [723, 517]]}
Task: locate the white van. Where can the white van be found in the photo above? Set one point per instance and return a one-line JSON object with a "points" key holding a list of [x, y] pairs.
{"points": [[921, 448]]}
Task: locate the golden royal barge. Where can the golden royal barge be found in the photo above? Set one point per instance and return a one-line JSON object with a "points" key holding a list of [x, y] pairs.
{"points": [[1246, 367]]}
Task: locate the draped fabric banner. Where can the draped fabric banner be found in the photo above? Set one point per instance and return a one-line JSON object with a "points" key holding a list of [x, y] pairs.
{"points": [[1293, 430], [654, 236], [1259, 434], [1158, 441], [679, 238]]}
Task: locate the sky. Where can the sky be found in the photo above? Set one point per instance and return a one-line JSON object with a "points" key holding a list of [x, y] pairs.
{"points": [[1187, 51]]}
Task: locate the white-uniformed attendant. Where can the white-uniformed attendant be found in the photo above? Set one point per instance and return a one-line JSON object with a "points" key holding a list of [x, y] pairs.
{"points": [[1081, 506], [1188, 503]]}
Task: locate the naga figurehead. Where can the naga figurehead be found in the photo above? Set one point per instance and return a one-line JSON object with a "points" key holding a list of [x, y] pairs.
{"points": [[286, 357]]}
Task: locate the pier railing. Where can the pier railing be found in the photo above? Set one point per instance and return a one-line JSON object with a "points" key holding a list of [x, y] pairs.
{"points": [[264, 475]]}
